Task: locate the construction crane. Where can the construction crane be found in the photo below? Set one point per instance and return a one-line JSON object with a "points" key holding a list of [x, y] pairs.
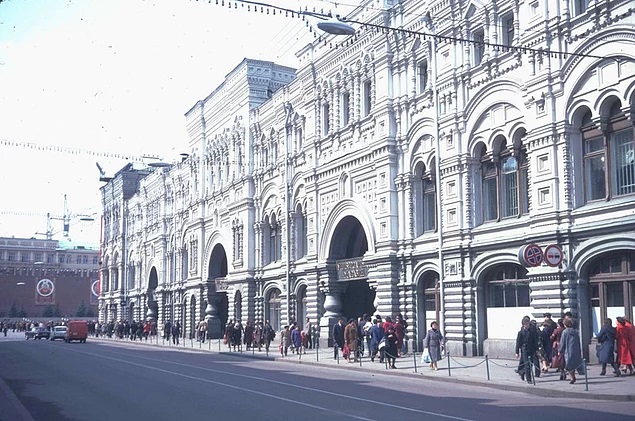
{"points": [[102, 174], [66, 218]]}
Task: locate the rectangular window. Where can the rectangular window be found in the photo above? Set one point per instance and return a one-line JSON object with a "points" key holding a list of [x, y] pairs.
{"points": [[595, 169], [325, 119], [490, 193], [367, 97], [479, 46], [508, 29], [623, 160], [50, 258], [38, 257], [509, 187], [346, 104], [11, 256], [579, 7], [422, 76], [78, 260], [429, 206], [24, 256]]}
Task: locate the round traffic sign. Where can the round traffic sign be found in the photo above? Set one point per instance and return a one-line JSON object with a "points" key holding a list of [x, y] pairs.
{"points": [[553, 255], [531, 255]]}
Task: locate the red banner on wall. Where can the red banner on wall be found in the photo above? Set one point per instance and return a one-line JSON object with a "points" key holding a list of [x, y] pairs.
{"points": [[45, 292]]}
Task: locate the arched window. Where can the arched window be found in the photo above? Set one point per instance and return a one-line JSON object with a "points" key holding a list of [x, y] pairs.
{"points": [[184, 263], [609, 156], [505, 183], [274, 309], [425, 201], [300, 233]]}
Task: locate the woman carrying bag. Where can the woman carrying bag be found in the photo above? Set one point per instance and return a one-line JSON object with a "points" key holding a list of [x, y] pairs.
{"points": [[432, 343]]}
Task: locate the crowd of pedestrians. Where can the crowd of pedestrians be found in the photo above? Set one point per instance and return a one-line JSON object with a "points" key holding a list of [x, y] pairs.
{"points": [[556, 345]]}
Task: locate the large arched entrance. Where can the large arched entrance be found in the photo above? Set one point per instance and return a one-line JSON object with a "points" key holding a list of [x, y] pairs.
{"points": [[217, 311], [153, 306], [347, 248]]}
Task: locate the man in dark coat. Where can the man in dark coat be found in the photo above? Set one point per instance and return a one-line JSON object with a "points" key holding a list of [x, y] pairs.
{"points": [[338, 336], [526, 346], [606, 348]]}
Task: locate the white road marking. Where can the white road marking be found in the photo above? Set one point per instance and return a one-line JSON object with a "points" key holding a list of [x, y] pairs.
{"points": [[325, 392]]}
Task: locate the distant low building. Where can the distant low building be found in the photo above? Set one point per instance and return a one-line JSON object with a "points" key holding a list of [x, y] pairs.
{"points": [[47, 278]]}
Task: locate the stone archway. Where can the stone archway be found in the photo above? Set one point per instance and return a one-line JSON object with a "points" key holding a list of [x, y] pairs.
{"points": [[153, 306], [348, 246], [217, 310]]}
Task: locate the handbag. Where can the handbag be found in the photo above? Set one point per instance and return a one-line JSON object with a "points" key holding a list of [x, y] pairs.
{"points": [[425, 357], [557, 361], [346, 351]]}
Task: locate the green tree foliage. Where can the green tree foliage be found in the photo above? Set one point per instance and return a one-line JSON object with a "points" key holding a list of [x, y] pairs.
{"points": [[81, 310]]}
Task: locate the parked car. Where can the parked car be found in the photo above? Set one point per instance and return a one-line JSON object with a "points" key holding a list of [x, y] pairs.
{"points": [[37, 332], [77, 331], [59, 332]]}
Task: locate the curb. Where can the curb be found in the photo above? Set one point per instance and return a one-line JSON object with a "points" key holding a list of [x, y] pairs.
{"points": [[532, 390]]}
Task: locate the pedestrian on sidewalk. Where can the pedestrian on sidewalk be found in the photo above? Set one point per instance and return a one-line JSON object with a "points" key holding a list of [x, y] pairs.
{"points": [[176, 332], [376, 335], [202, 330], [296, 340], [350, 340], [258, 336], [557, 360], [570, 348], [285, 340], [526, 346], [269, 335], [606, 348], [624, 339], [390, 351], [433, 342], [338, 337]]}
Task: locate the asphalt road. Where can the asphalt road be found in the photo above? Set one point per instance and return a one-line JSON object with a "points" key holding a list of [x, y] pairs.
{"points": [[56, 381]]}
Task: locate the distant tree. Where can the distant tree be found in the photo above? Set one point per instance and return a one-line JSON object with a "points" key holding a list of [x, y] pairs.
{"points": [[48, 311], [56, 311], [90, 312], [13, 312], [81, 310], [22, 312]]}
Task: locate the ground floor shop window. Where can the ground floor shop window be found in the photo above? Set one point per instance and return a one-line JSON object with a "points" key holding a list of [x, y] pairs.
{"points": [[612, 288], [507, 300]]}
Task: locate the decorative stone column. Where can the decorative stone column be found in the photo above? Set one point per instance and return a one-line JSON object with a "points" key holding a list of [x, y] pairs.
{"points": [[332, 291], [212, 310]]}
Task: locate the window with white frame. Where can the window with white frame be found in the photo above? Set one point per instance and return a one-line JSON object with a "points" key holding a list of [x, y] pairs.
{"points": [[422, 76], [478, 36], [609, 156], [505, 184], [425, 200], [346, 104], [326, 127], [579, 6], [301, 233], [507, 27], [368, 97]]}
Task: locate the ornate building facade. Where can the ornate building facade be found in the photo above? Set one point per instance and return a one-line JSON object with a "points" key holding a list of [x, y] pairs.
{"points": [[399, 170]]}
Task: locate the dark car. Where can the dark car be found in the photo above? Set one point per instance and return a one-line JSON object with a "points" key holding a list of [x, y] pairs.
{"points": [[37, 332]]}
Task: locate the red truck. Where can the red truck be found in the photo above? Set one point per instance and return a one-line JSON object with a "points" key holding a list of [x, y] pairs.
{"points": [[77, 331]]}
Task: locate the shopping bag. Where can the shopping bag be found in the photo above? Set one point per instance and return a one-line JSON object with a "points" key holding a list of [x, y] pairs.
{"points": [[382, 344], [425, 357]]}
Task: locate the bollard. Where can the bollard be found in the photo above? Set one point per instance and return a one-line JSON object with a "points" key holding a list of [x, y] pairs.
{"points": [[317, 351], [219, 339], [487, 366], [209, 344], [449, 368], [586, 376], [414, 358], [200, 344]]}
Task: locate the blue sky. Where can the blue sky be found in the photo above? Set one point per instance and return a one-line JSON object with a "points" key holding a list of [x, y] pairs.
{"points": [[111, 76]]}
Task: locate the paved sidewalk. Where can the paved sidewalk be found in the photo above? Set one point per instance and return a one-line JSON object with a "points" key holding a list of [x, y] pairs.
{"points": [[476, 371]]}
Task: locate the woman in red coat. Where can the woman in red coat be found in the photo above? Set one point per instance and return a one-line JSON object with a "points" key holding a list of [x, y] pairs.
{"points": [[624, 339]]}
